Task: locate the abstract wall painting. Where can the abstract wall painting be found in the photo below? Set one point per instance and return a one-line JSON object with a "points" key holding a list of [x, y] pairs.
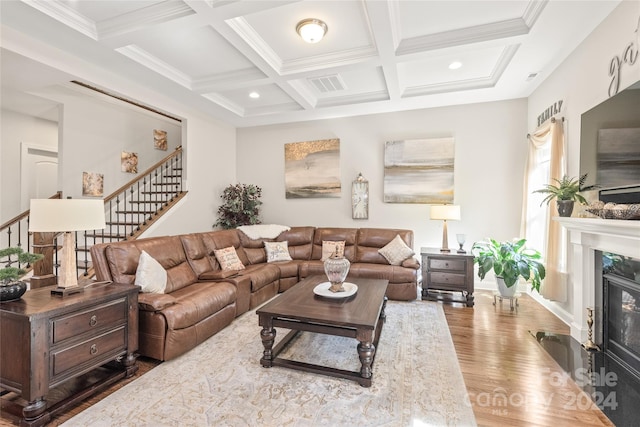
{"points": [[92, 184], [419, 171], [618, 157], [312, 169], [129, 162], [160, 139]]}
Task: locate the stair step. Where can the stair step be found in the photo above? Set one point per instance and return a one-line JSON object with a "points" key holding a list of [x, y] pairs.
{"points": [[107, 236], [156, 202], [172, 176], [125, 223], [160, 192], [136, 212], [175, 184]]}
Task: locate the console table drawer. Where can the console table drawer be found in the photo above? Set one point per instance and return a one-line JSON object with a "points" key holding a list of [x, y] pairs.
{"points": [[447, 264], [74, 324], [451, 279], [100, 347]]}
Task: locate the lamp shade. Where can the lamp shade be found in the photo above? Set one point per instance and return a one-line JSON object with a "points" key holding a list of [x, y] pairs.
{"points": [[311, 30], [451, 212], [59, 215]]}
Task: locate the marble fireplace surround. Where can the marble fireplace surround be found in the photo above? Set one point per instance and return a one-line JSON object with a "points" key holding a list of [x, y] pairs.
{"points": [[588, 235]]}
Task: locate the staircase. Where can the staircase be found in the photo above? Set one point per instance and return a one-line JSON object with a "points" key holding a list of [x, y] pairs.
{"points": [[129, 211]]}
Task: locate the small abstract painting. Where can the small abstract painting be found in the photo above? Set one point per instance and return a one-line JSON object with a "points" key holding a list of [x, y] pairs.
{"points": [[129, 162], [419, 171], [160, 139], [312, 169], [92, 184], [618, 157]]}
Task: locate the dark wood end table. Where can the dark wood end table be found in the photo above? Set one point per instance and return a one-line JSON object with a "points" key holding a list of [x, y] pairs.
{"points": [[447, 271], [360, 316], [48, 340]]}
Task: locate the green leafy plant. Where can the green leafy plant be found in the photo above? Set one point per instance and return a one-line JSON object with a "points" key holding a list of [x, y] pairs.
{"points": [[241, 206], [509, 260], [567, 188], [10, 274]]}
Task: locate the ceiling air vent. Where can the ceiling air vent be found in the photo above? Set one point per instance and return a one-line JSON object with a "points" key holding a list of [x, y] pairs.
{"points": [[531, 76], [324, 84]]}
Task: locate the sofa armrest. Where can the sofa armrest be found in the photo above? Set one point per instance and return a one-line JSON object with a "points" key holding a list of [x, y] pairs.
{"points": [[154, 302], [243, 292], [411, 263]]}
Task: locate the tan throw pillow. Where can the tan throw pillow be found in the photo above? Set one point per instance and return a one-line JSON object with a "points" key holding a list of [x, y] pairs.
{"points": [[396, 251], [150, 275], [331, 246], [228, 258], [277, 251]]}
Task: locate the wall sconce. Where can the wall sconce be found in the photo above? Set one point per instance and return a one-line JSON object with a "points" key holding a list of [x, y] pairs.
{"points": [[68, 216], [445, 212], [311, 30]]}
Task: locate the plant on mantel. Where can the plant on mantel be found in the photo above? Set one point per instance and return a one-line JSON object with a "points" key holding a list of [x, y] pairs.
{"points": [[566, 191], [241, 206]]}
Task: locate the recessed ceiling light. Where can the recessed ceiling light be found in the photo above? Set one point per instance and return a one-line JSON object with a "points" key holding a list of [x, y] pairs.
{"points": [[254, 95], [311, 30], [455, 65]]}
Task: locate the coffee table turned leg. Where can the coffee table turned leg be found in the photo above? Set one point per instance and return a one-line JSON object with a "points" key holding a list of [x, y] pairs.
{"points": [[366, 351], [268, 336]]}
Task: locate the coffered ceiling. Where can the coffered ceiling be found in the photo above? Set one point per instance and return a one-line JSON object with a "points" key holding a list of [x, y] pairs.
{"points": [[377, 56]]}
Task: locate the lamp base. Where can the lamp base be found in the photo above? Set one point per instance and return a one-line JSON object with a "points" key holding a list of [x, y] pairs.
{"points": [[63, 292]]}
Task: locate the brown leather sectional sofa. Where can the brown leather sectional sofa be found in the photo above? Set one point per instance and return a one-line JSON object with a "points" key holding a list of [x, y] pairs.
{"points": [[200, 298]]}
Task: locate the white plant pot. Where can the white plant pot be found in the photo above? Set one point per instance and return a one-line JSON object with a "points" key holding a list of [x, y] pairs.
{"points": [[504, 290]]}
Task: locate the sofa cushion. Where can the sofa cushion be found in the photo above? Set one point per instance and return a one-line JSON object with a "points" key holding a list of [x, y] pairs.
{"points": [[348, 235], [221, 239], [197, 302], [329, 247], [396, 251], [150, 275], [370, 240], [197, 255], [277, 251], [228, 258], [261, 275], [299, 240]]}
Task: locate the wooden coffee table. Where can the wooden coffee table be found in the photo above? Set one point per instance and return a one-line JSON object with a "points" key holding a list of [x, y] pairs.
{"points": [[360, 316]]}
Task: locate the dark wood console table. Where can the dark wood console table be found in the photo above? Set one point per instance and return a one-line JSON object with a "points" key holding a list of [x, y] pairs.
{"points": [[48, 340]]}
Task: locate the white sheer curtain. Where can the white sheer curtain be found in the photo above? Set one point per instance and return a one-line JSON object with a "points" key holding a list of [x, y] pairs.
{"points": [[545, 162]]}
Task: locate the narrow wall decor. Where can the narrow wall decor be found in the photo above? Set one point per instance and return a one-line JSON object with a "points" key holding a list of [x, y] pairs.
{"points": [[129, 162], [160, 139], [419, 171], [312, 169], [618, 157], [92, 184]]}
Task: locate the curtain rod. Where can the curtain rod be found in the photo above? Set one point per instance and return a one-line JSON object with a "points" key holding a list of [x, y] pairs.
{"points": [[553, 120]]}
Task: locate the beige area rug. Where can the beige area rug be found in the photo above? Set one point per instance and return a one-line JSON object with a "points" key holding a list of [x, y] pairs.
{"points": [[417, 381]]}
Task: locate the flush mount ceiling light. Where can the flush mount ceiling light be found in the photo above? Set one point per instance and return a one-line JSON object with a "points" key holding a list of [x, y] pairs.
{"points": [[455, 65], [311, 30], [254, 95]]}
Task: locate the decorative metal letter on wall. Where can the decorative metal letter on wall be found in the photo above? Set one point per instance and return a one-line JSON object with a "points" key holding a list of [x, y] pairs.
{"points": [[360, 198]]}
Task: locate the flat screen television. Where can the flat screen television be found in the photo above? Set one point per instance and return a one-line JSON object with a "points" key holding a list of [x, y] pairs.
{"points": [[610, 146]]}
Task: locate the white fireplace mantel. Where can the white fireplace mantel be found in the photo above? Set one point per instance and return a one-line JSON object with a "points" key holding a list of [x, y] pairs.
{"points": [[588, 235]]}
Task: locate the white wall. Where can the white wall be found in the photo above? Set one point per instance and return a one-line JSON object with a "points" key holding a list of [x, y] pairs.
{"points": [[582, 81], [490, 150], [18, 128]]}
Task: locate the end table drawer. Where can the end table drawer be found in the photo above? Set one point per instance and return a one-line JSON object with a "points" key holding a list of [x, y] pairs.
{"points": [[447, 264], [100, 347], [452, 279], [111, 314]]}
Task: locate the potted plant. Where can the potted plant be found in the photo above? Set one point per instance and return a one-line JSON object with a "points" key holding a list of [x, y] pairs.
{"points": [[566, 193], [509, 261], [241, 206], [11, 287]]}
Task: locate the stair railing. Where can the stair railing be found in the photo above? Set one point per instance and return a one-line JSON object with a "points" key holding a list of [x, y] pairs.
{"points": [[129, 211]]}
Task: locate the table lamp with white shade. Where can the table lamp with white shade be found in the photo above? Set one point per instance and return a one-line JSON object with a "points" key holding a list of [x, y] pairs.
{"points": [[445, 212], [67, 216]]}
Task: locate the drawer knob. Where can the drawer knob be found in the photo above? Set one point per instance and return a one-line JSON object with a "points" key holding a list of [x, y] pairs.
{"points": [[94, 320], [93, 349], [446, 264]]}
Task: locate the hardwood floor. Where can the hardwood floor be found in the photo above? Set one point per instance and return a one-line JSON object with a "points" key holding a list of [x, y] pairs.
{"points": [[500, 361], [510, 378]]}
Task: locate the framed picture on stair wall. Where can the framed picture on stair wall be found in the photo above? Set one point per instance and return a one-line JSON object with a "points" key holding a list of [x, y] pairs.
{"points": [[92, 184], [160, 139], [129, 162]]}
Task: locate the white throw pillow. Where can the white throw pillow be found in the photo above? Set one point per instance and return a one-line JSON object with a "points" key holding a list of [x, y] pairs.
{"points": [[331, 246], [228, 258], [396, 251], [277, 251], [150, 275]]}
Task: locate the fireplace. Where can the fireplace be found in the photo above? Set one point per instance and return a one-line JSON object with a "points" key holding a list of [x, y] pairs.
{"points": [[619, 302]]}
